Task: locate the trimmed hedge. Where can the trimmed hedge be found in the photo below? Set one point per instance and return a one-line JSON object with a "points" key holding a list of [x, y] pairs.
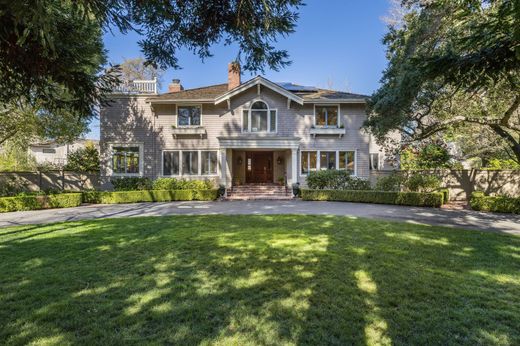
{"points": [[62, 200], [434, 199], [116, 197], [446, 194], [498, 204]]}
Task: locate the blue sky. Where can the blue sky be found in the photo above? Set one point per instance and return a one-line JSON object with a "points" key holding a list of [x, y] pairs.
{"points": [[337, 44]]}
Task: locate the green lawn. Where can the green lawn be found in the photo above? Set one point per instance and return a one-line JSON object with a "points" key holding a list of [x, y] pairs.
{"points": [[269, 280]]}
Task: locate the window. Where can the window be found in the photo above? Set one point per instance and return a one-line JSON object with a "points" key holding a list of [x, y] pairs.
{"points": [[188, 115], [259, 118], [309, 161], [326, 116], [125, 160], [208, 162], [328, 160], [190, 162], [49, 151], [374, 161], [347, 161], [170, 163]]}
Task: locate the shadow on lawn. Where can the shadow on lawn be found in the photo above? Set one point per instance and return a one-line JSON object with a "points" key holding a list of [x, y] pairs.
{"points": [[259, 280]]}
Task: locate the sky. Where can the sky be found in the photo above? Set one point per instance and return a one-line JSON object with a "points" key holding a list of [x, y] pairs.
{"points": [[337, 44]]}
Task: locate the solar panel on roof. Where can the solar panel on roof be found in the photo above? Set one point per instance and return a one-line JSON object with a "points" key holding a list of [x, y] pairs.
{"points": [[295, 87]]}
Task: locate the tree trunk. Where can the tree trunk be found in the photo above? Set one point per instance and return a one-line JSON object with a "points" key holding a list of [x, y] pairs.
{"points": [[513, 143]]}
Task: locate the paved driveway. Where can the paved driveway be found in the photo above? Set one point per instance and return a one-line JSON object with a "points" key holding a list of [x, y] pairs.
{"points": [[454, 218]]}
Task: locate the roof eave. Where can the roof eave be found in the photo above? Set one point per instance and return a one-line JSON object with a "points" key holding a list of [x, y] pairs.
{"points": [[335, 101], [262, 81]]}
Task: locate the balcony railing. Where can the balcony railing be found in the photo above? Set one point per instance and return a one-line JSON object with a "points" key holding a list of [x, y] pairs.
{"points": [[137, 87]]}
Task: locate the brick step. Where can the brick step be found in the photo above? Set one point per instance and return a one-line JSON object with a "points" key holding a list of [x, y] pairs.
{"points": [[258, 197], [257, 191]]}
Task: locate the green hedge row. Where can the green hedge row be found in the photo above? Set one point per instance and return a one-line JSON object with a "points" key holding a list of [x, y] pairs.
{"points": [[109, 197], [498, 204], [62, 200], [434, 199]]}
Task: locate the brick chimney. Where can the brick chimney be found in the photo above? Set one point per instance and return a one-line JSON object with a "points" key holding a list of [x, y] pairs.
{"points": [[233, 75], [175, 86]]}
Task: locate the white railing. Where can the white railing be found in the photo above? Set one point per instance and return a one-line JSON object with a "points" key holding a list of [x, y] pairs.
{"points": [[137, 87]]}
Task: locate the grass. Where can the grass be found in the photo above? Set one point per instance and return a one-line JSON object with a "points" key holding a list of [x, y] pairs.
{"points": [[269, 280]]}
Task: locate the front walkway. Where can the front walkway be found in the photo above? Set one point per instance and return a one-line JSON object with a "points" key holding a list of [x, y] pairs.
{"points": [[455, 218]]}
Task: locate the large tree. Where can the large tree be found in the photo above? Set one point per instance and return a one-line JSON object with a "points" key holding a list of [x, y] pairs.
{"points": [[452, 64]]}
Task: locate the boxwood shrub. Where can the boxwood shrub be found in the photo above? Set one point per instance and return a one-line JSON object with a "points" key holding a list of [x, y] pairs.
{"points": [[498, 204], [434, 199], [109, 197], [34, 202]]}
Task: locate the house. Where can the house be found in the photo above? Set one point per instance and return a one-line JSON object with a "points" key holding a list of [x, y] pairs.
{"points": [[53, 153], [235, 133]]}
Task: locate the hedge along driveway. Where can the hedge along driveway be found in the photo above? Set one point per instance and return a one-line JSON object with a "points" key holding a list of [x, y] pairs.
{"points": [[62, 200]]}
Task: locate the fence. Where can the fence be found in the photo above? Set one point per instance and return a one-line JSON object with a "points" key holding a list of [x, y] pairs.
{"points": [[462, 183], [56, 180]]}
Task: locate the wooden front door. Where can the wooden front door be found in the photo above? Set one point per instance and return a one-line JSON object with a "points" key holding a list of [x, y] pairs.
{"points": [[259, 167]]}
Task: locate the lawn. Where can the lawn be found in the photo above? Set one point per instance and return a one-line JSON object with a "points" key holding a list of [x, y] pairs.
{"points": [[268, 280]]}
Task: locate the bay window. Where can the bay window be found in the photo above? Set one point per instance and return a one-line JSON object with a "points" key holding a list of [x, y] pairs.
{"points": [[326, 159], [190, 162], [126, 160], [309, 161], [326, 116], [188, 115], [259, 118]]}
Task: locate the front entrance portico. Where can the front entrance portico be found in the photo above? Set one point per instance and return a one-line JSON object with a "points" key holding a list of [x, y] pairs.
{"points": [[258, 159]]}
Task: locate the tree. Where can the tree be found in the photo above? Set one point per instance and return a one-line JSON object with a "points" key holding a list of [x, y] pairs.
{"points": [[14, 157], [452, 65], [83, 159], [52, 51], [137, 68], [428, 156]]}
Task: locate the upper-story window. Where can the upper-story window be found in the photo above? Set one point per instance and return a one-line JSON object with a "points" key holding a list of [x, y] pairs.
{"points": [[188, 115], [326, 116], [259, 118]]}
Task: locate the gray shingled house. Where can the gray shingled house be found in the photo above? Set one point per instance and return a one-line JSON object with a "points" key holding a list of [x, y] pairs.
{"points": [[256, 132]]}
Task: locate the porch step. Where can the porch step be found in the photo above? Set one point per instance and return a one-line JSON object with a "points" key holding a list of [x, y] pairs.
{"points": [[258, 191]]}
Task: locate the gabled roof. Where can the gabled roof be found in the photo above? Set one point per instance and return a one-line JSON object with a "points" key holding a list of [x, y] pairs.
{"points": [[298, 93]]}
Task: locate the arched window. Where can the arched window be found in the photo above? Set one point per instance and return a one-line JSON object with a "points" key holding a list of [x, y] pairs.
{"points": [[259, 118]]}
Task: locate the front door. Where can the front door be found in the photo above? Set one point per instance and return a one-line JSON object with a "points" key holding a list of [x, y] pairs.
{"points": [[259, 167]]}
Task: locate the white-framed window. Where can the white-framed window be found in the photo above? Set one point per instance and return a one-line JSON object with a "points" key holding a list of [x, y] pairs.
{"points": [[259, 118], [311, 160], [189, 162], [126, 159], [326, 116], [347, 161], [189, 115], [171, 163], [374, 161], [208, 162]]}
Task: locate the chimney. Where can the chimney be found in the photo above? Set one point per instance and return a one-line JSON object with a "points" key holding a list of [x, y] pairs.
{"points": [[175, 86], [233, 75]]}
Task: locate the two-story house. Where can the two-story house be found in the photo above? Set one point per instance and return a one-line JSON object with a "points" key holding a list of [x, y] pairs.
{"points": [[235, 133]]}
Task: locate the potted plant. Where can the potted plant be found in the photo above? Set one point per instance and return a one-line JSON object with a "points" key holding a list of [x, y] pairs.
{"points": [[281, 181]]}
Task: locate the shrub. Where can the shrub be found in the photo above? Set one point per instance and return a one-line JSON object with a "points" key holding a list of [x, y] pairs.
{"points": [[148, 196], [392, 182], [445, 194], [181, 184], [34, 202], [498, 204], [434, 199], [336, 180], [131, 183], [418, 182]]}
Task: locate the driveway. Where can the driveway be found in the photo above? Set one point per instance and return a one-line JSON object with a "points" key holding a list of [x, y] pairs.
{"points": [[468, 219]]}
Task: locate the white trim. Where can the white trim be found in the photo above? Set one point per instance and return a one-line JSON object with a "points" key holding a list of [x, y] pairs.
{"points": [[199, 161], [188, 105], [258, 80], [259, 142], [334, 101], [110, 166], [326, 126], [318, 160]]}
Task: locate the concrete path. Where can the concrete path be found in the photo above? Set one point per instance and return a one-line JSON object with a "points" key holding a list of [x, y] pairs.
{"points": [[468, 219]]}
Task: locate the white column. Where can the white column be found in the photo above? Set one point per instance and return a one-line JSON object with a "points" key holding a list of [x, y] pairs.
{"points": [[294, 166], [223, 167]]}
